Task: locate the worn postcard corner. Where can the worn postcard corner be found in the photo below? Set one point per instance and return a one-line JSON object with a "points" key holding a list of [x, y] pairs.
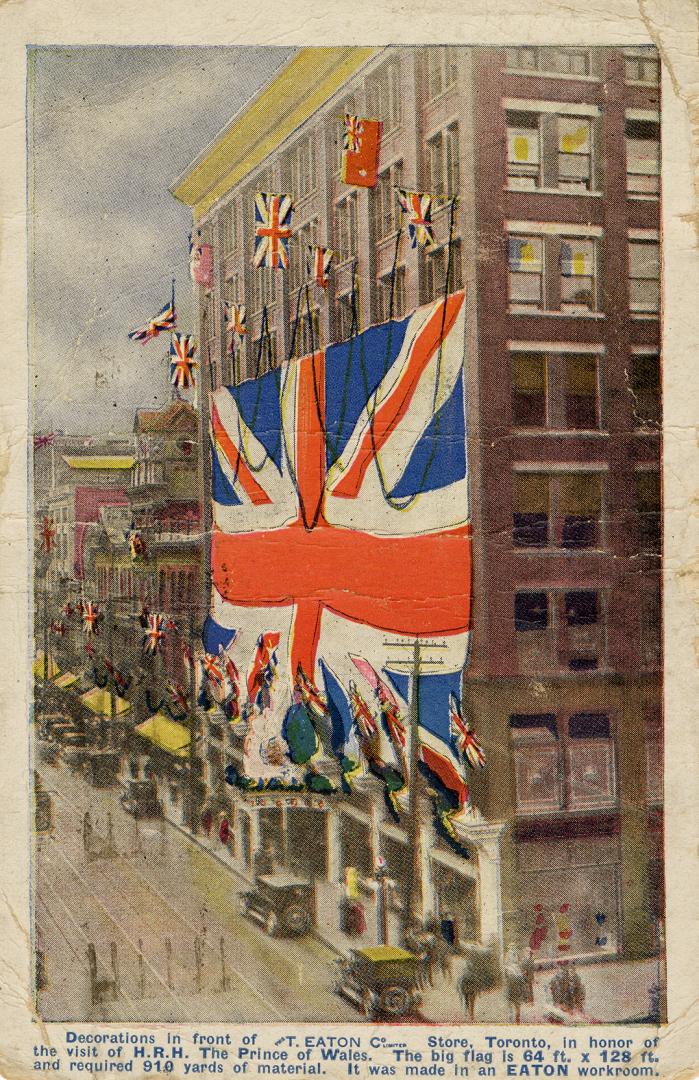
{"points": [[349, 469]]}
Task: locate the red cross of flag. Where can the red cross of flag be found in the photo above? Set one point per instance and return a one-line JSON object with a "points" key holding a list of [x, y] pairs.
{"points": [[340, 523]]}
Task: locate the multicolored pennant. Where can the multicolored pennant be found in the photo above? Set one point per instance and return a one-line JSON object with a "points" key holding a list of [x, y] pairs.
{"points": [[154, 634], [182, 362], [165, 320], [418, 206], [322, 258]]}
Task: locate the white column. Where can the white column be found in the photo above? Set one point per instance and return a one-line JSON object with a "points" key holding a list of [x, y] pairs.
{"points": [[332, 841], [254, 818], [487, 840]]}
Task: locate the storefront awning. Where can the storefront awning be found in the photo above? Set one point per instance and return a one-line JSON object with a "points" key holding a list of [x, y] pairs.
{"points": [[66, 680], [99, 701], [100, 462], [39, 667], [167, 734]]}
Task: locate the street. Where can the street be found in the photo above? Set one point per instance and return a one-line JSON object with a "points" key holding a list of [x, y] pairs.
{"points": [[183, 953]]}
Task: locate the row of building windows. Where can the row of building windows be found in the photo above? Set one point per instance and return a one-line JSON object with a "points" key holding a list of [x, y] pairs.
{"points": [[565, 630], [561, 391], [569, 762], [641, 65], [557, 152], [565, 510], [557, 272]]}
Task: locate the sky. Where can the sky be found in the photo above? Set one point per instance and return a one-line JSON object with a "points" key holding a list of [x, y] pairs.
{"points": [[110, 129]]}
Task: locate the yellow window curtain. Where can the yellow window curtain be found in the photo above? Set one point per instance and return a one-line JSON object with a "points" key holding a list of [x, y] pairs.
{"points": [[532, 493], [580, 495]]}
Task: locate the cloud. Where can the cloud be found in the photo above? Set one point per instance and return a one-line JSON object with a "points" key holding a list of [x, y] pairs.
{"points": [[111, 128]]}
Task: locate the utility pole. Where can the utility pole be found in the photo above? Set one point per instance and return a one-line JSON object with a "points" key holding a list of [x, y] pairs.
{"points": [[193, 726], [414, 911], [413, 908]]}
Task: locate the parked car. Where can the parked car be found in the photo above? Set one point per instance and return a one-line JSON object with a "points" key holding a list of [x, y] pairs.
{"points": [[283, 904], [140, 798], [381, 980]]}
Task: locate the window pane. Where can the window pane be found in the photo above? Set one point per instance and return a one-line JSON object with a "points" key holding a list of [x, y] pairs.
{"points": [[581, 608], [538, 725], [528, 390], [531, 611], [580, 390], [522, 59], [591, 773], [644, 296], [537, 778], [580, 506], [644, 260], [589, 726], [531, 510]]}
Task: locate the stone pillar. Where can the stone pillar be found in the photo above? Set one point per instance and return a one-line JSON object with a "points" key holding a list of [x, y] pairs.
{"points": [[332, 841], [254, 818], [486, 838]]}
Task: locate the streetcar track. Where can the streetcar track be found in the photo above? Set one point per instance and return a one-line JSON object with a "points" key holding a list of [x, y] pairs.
{"points": [[183, 919], [117, 924], [81, 932]]}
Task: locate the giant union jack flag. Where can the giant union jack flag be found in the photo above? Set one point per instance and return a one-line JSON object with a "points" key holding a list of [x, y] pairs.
{"points": [[341, 529]]}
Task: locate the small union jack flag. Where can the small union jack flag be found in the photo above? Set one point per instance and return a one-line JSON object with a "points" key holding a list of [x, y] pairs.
{"points": [[236, 317], [182, 362], [322, 258], [58, 628], [272, 230], [67, 609], [263, 668], [44, 440], [465, 739], [154, 634], [418, 206], [310, 694], [178, 697], [90, 616], [361, 714], [163, 321], [354, 129], [213, 670]]}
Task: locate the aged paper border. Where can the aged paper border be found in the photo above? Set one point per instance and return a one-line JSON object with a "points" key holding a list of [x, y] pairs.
{"points": [[673, 25]]}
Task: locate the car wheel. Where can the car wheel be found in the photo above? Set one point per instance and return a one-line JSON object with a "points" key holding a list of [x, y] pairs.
{"points": [[394, 1000], [272, 923], [297, 919]]}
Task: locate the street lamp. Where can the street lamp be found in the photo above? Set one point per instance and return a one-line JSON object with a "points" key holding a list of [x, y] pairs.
{"points": [[383, 886]]}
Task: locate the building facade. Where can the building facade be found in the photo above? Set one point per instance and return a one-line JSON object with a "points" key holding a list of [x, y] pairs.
{"points": [[544, 163]]}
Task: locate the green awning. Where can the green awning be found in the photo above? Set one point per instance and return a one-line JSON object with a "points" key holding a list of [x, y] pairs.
{"points": [[99, 701], [170, 736]]}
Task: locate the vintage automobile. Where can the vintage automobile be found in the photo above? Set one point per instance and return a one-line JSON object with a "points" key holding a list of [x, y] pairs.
{"points": [[381, 980], [283, 904], [140, 799]]}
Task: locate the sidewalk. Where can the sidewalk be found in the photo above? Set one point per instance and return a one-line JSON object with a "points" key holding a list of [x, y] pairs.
{"points": [[615, 990]]}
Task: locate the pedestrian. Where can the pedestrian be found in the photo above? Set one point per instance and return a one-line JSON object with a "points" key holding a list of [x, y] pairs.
{"points": [[207, 821], [224, 829]]}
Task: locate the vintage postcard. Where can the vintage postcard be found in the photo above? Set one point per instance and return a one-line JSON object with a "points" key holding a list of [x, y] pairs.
{"points": [[357, 451]]}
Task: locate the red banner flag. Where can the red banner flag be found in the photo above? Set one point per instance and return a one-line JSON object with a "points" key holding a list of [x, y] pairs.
{"points": [[360, 157]]}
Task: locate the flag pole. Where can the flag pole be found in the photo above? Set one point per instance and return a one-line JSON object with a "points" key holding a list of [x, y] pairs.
{"points": [[414, 911]]}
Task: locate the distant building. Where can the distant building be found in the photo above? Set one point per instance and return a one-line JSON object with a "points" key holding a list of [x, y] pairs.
{"points": [[553, 155]]}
